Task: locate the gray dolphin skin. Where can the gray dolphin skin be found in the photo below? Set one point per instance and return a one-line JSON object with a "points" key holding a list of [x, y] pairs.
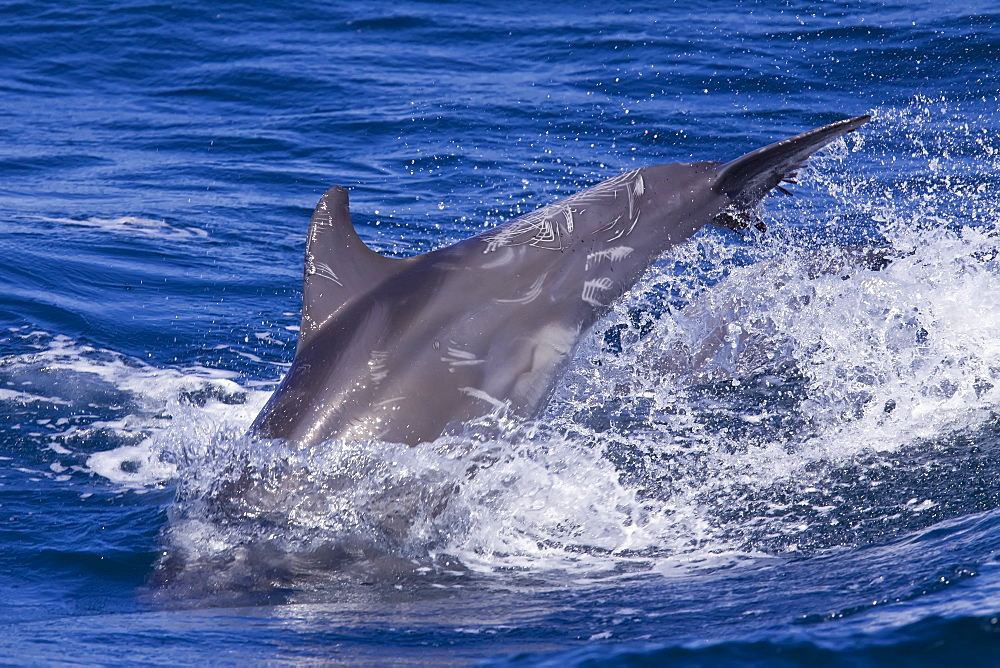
{"points": [[405, 350]]}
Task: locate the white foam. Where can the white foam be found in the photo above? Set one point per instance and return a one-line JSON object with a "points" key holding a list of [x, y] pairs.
{"points": [[881, 360], [131, 466], [27, 398], [134, 225], [170, 405]]}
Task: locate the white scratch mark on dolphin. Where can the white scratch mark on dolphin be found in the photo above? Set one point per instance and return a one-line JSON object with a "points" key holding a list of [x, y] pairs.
{"points": [[499, 260], [386, 402], [611, 225], [592, 288], [324, 270], [457, 357], [633, 190], [638, 188], [531, 295], [479, 394], [613, 254], [544, 229], [548, 232], [377, 365]]}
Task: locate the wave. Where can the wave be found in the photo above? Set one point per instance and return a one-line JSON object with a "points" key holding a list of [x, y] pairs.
{"points": [[831, 382], [134, 225]]}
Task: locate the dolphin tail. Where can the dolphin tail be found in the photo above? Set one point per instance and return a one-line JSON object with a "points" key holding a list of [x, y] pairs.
{"points": [[747, 179]]}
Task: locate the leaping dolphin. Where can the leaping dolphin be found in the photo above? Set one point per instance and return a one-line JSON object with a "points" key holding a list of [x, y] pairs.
{"points": [[404, 350]]}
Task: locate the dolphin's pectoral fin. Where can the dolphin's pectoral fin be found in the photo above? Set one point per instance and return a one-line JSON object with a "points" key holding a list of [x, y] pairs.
{"points": [[338, 265], [747, 179]]}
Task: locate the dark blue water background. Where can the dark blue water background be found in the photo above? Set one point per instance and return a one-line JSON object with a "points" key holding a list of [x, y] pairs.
{"points": [[778, 450]]}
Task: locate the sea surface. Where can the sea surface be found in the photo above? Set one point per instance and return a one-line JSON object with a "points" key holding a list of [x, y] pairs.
{"points": [[780, 448]]}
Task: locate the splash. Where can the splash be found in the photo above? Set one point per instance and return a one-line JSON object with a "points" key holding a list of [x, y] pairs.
{"points": [[789, 392], [816, 385], [95, 411]]}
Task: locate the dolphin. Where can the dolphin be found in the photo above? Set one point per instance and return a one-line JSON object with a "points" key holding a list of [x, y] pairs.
{"points": [[405, 350]]}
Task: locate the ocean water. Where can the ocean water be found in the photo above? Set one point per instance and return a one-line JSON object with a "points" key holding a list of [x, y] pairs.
{"points": [[778, 449]]}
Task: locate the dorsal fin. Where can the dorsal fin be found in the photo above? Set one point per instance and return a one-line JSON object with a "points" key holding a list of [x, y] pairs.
{"points": [[338, 264], [748, 178]]}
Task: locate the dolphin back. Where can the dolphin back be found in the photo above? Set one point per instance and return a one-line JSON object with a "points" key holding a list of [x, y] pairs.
{"points": [[403, 350]]}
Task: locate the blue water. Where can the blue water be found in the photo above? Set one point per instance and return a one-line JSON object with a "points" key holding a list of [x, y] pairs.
{"points": [[777, 450]]}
